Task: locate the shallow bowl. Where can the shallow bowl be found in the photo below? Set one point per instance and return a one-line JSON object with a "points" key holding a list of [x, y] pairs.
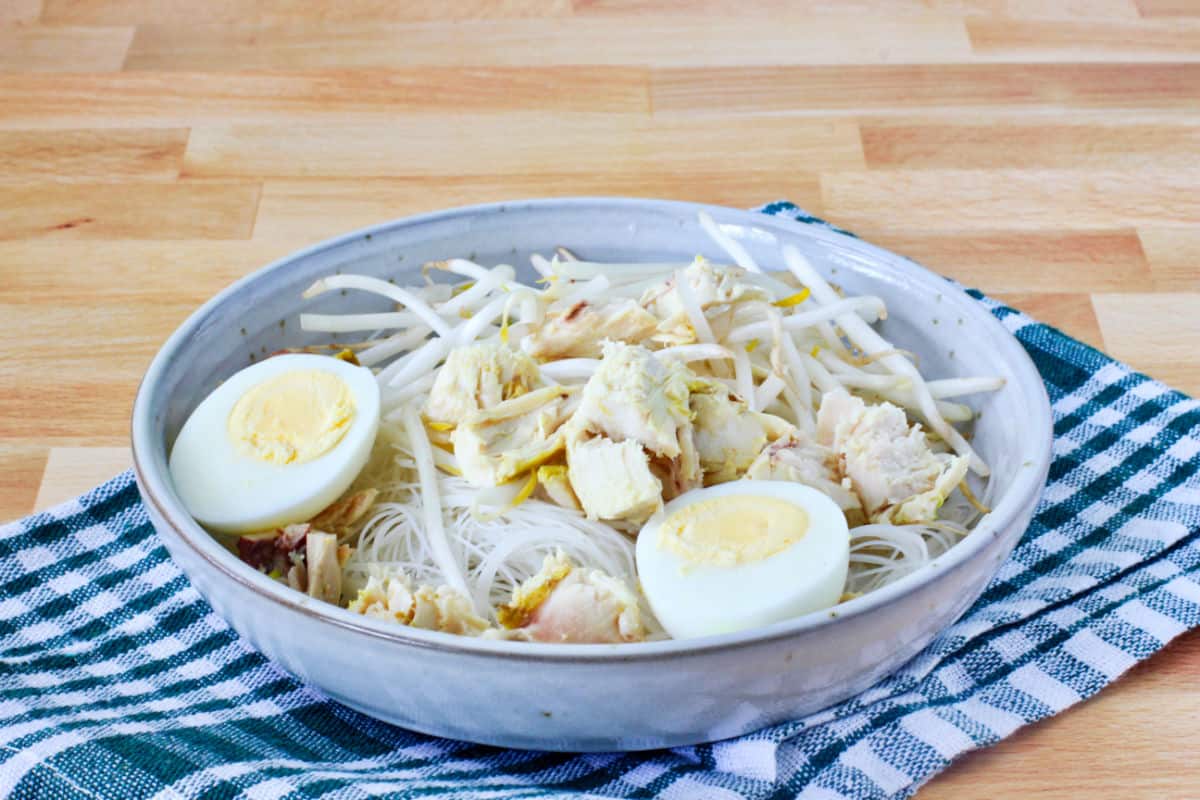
{"points": [[594, 697]]}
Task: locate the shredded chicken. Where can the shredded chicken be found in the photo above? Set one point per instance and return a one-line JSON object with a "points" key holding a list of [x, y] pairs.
{"points": [[578, 331], [321, 564], [479, 377], [562, 603], [340, 518], [634, 395], [495, 445], [613, 480], [710, 286], [630, 441], [728, 435], [555, 486], [889, 463], [797, 458], [435, 609]]}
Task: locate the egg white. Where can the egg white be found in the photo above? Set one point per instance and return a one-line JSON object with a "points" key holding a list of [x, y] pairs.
{"points": [[235, 493], [701, 599]]}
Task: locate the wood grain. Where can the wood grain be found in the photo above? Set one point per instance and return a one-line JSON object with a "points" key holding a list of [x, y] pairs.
{"points": [[1039, 199], [64, 156], [145, 210], [301, 211], [20, 11], [136, 273], [1023, 9], [655, 40], [870, 88], [433, 145], [71, 471], [40, 48], [990, 145], [1174, 255], [155, 99], [22, 466], [1053, 262], [1157, 333], [153, 151], [1084, 40], [185, 12], [1167, 8]]}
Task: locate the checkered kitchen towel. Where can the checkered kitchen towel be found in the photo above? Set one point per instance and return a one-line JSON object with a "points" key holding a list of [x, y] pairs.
{"points": [[118, 681]]}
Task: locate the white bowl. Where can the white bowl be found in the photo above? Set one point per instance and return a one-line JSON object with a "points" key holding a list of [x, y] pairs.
{"points": [[595, 697]]}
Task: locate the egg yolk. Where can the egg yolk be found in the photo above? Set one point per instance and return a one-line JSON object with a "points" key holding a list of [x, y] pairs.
{"points": [[732, 530], [293, 417]]}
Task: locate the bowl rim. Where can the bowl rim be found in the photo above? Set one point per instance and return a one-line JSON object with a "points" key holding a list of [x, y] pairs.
{"points": [[1021, 495]]}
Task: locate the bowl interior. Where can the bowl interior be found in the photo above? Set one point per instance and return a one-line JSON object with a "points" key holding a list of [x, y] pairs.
{"points": [[950, 332]]}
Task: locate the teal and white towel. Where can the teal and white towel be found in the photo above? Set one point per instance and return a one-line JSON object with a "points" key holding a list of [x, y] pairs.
{"points": [[118, 681]]}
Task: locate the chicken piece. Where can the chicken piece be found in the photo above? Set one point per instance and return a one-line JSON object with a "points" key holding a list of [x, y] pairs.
{"points": [[613, 480], [444, 609], [479, 377], [339, 518], [889, 463], [710, 286], [797, 458], [436, 609], [297, 577], [555, 486], [631, 438], [273, 551], [678, 475], [728, 435], [579, 331], [673, 331], [634, 395], [324, 572], [564, 604], [495, 445], [924, 506]]}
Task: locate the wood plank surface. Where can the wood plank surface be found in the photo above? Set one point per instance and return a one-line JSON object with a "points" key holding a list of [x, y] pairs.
{"points": [[657, 40], [292, 98], [153, 151], [43, 48], [68, 156]]}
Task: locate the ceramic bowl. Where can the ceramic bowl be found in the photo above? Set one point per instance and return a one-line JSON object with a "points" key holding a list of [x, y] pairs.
{"points": [[594, 697]]}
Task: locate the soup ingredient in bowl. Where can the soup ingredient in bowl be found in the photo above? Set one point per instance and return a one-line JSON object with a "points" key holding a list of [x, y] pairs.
{"points": [[276, 443], [785, 454], [742, 554]]}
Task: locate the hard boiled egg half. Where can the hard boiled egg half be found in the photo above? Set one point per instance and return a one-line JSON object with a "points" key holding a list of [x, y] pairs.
{"points": [[276, 443], [742, 554]]}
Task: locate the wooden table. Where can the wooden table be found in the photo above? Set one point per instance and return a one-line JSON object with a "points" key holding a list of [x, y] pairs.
{"points": [[151, 151]]}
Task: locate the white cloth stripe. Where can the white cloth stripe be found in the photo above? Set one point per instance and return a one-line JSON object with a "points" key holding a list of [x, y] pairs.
{"points": [[1036, 683], [1107, 659], [1160, 626], [864, 759], [948, 739]]}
